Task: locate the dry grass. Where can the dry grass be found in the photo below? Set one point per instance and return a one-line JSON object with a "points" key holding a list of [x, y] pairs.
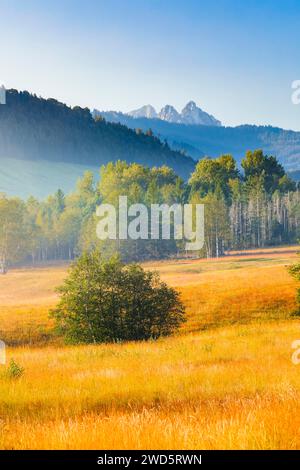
{"points": [[230, 388], [227, 384], [26, 295]]}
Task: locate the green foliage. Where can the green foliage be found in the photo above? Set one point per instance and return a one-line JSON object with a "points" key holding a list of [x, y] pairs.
{"points": [[141, 185], [267, 170], [104, 301], [212, 175], [259, 208], [294, 270], [14, 371], [217, 224], [15, 231]]}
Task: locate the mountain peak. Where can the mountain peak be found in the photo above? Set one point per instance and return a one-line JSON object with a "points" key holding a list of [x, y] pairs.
{"points": [[190, 115], [170, 114], [147, 111], [190, 105]]}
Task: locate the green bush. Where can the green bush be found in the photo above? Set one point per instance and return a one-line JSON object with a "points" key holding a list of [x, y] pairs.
{"points": [[14, 371], [106, 301], [294, 270]]}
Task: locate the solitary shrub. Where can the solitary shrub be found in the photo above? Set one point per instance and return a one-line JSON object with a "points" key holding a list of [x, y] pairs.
{"points": [[14, 371], [104, 301], [295, 272]]}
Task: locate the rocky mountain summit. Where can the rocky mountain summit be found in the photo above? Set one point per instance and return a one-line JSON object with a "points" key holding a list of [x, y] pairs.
{"points": [[191, 114]]}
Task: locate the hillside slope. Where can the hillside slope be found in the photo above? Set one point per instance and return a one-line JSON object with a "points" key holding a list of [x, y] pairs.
{"points": [[33, 129], [39, 178]]}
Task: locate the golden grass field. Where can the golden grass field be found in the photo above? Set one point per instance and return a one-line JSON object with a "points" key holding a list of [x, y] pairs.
{"points": [[225, 381]]}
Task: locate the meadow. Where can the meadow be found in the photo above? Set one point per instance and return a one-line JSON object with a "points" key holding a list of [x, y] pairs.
{"points": [[224, 381]]}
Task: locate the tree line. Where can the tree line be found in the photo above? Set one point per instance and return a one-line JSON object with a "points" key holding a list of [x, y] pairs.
{"points": [[254, 207]]}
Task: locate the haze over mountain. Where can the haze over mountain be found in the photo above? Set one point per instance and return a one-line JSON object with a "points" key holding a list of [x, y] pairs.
{"points": [[185, 133]]}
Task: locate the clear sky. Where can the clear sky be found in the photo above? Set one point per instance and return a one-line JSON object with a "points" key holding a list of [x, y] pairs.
{"points": [[235, 58]]}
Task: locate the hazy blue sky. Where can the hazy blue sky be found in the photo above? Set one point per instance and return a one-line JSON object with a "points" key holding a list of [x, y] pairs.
{"points": [[235, 58]]}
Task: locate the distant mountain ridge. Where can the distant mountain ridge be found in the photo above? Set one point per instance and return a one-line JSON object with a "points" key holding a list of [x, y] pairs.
{"points": [[200, 140]]}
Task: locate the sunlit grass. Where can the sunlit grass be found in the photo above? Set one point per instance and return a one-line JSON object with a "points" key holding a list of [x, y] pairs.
{"points": [[229, 388], [226, 381]]}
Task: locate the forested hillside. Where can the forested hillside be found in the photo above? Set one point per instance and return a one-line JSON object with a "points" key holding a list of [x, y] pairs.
{"points": [[34, 129]]}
